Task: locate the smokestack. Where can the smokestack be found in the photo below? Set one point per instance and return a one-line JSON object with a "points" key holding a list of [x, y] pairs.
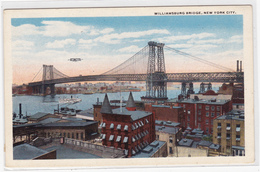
{"points": [[237, 65], [97, 100], [20, 108], [240, 66]]}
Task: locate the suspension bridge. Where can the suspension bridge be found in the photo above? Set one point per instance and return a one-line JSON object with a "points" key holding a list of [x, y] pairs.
{"points": [[146, 65]]}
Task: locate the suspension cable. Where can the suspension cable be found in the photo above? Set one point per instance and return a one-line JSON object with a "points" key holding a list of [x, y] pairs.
{"points": [[37, 74], [199, 59]]}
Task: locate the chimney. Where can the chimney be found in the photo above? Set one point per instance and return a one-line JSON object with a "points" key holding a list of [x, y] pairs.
{"points": [[240, 66], [20, 108], [97, 100], [237, 65]]}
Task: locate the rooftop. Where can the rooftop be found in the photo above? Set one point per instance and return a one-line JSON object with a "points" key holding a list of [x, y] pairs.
{"points": [[170, 130], [38, 115], [63, 152], [69, 124], [167, 123], [149, 150], [164, 106], [26, 151], [49, 120], [135, 115], [234, 115], [205, 143], [185, 142]]}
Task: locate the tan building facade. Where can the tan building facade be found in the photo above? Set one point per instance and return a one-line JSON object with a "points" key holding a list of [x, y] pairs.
{"points": [[170, 135], [229, 132]]}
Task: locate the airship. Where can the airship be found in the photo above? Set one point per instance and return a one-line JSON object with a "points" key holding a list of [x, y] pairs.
{"points": [[75, 59]]}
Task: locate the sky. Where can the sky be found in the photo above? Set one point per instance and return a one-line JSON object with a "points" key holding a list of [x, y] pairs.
{"points": [[104, 42]]}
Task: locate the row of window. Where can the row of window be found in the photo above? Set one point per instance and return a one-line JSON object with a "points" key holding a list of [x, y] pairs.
{"points": [[207, 107], [68, 135], [119, 126], [228, 127], [125, 140], [228, 136], [207, 114]]}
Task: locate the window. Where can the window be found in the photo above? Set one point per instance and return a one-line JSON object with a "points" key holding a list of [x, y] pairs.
{"points": [[68, 135], [183, 106], [212, 114], [199, 118], [170, 150], [157, 137], [218, 108], [228, 136], [111, 126], [77, 135], [73, 135], [219, 125], [207, 107], [237, 137], [238, 127], [81, 136], [64, 134], [199, 112], [228, 126], [188, 124], [237, 106], [188, 118], [211, 122], [200, 106], [207, 122], [188, 111], [170, 139], [207, 114], [219, 135], [218, 113], [207, 130], [212, 108], [199, 126]]}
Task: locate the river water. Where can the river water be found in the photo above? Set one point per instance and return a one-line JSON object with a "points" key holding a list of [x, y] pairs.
{"points": [[47, 104]]}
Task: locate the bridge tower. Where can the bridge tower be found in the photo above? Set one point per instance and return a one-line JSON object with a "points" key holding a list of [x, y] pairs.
{"points": [[156, 85], [47, 75]]}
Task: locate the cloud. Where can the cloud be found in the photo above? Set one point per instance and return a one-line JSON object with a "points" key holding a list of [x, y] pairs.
{"points": [[211, 41], [21, 45], [172, 39], [57, 29], [116, 38], [60, 43], [236, 39], [86, 43], [129, 49]]}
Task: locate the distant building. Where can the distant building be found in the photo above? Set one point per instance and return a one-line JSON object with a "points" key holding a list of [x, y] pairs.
{"points": [[166, 113], [171, 135], [86, 114], [201, 109], [229, 132], [126, 127], [188, 148]]}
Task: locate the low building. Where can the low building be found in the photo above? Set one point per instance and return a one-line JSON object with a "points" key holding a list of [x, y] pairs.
{"points": [[40, 116], [229, 132], [188, 148], [167, 123], [29, 152], [153, 150], [126, 127], [75, 130], [171, 135]]}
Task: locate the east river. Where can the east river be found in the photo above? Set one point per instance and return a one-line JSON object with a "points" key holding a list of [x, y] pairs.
{"points": [[47, 104]]}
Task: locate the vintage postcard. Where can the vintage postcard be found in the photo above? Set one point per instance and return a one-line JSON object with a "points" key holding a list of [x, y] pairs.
{"points": [[135, 86]]}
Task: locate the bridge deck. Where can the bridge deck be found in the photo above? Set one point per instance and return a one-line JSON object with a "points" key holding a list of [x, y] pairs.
{"points": [[235, 77]]}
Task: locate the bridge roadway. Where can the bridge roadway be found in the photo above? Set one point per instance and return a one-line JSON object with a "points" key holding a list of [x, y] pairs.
{"points": [[220, 77]]}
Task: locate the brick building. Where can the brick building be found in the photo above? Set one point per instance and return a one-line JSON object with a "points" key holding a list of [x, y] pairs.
{"points": [[201, 109], [166, 113], [229, 132], [97, 108], [126, 127]]}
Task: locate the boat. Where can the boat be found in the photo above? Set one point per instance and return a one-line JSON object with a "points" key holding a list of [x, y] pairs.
{"points": [[70, 101]]}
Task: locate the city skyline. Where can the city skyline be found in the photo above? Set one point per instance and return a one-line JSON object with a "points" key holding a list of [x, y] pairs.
{"points": [[104, 42]]}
